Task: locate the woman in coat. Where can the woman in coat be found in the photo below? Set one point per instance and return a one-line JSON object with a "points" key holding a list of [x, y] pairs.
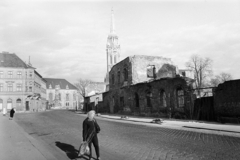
{"points": [[90, 131]]}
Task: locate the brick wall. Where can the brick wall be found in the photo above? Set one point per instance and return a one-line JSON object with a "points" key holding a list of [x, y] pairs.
{"points": [[227, 99], [145, 97]]}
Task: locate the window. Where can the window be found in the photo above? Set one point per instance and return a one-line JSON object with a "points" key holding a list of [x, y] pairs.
{"points": [[10, 74], [26, 88], [50, 96], [148, 96], [125, 72], [137, 100], [1, 87], [163, 102], [121, 102], [74, 97], [19, 87], [118, 76], [1, 74], [112, 78], [19, 74], [30, 74], [115, 59], [59, 96], [30, 89], [180, 97], [19, 101], [9, 104], [10, 87], [67, 97], [110, 59]]}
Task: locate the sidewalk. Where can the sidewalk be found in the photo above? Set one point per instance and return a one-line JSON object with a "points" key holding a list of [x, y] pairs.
{"points": [[16, 144], [189, 125]]}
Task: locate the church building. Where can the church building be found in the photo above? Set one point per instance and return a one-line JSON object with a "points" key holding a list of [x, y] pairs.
{"points": [[113, 48]]}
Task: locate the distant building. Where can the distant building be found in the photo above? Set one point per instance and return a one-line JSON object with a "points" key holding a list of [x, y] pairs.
{"points": [[21, 86], [61, 94]]}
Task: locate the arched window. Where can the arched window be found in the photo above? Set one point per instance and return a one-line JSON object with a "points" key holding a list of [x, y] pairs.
{"points": [[110, 59], [137, 100], [163, 102], [1, 104], [19, 102], [180, 97], [112, 78], [125, 72], [59, 96], [115, 59], [149, 96], [50, 96], [9, 103], [118, 76], [67, 97]]}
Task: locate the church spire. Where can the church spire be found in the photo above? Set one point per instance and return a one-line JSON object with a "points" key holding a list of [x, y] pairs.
{"points": [[112, 28]]}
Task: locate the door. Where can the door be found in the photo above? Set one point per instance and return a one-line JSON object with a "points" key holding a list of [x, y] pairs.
{"points": [[1, 104], [9, 104], [27, 105]]}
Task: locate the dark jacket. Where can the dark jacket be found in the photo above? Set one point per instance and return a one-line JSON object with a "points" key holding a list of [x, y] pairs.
{"points": [[12, 112], [90, 128]]}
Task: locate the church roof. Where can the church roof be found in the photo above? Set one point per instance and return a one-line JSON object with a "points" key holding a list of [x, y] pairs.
{"points": [[12, 60], [63, 83]]}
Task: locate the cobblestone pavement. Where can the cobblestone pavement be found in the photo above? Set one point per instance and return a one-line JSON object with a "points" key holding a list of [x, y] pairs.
{"points": [[127, 141]]}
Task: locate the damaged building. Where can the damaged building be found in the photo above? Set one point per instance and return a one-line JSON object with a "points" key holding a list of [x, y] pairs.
{"points": [[147, 85]]}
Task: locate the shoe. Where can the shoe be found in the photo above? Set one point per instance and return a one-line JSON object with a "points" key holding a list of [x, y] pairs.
{"points": [[98, 158]]}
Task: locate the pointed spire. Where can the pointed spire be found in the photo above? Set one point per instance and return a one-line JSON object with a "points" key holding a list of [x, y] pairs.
{"points": [[112, 29], [29, 63]]}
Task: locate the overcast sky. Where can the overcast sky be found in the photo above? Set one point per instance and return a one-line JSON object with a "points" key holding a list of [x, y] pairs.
{"points": [[67, 38]]}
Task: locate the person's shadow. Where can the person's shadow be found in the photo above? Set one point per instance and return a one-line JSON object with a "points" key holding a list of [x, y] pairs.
{"points": [[70, 150]]}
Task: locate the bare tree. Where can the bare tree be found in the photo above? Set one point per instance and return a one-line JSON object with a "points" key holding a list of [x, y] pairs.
{"points": [[202, 68], [222, 77], [82, 85]]}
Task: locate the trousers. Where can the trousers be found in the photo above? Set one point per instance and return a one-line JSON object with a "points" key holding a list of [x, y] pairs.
{"points": [[95, 144]]}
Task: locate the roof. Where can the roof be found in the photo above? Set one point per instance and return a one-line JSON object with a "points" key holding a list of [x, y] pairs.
{"points": [[62, 82], [12, 60]]}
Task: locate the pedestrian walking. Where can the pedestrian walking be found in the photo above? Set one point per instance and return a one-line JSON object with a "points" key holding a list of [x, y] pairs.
{"points": [[12, 111], [90, 131]]}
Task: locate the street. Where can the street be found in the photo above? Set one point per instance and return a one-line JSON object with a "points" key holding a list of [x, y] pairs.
{"points": [[62, 131]]}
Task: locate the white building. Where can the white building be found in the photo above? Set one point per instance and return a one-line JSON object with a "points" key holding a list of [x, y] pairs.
{"points": [[19, 84], [61, 94]]}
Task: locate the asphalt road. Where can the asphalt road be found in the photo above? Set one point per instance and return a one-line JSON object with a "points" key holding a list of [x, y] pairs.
{"points": [[62, 131]]}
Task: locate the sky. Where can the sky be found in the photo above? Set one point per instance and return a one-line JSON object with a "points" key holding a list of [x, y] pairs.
{"points": [[67, 38]]}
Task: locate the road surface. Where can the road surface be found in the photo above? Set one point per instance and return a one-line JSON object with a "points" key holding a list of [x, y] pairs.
{"points": [[62, 131]]}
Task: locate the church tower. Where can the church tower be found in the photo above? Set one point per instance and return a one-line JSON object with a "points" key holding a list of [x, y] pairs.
{"points": [[113, 48]]}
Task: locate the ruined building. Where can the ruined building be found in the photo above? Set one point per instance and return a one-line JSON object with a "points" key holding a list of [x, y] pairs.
{"points": [[147, 85]]}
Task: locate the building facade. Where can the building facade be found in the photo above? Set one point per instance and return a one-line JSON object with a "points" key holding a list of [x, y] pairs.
{"points": [[140, 68], [18, 83], [148, 85], [112, 48], [61, 94]]}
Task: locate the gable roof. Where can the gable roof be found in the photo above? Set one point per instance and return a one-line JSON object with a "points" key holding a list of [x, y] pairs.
{"points": [[12, 60], [61, 82]]}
